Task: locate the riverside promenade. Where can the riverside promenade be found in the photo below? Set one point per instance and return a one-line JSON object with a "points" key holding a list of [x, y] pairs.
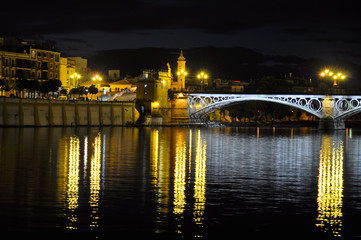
{"points": [[19, 112]]}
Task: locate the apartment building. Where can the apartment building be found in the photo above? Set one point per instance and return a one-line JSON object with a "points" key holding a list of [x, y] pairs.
{"points": [[28, 60]]}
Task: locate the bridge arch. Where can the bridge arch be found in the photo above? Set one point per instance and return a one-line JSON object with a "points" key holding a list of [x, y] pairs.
{"points": [[346, 107], [200, 105]]}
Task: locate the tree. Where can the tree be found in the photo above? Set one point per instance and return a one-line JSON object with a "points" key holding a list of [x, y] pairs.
{"points": [[92, 90], [2, 85], [54, 85], [79, 91], [32, 86], [50, 86], [19, 85], [63, 91]]}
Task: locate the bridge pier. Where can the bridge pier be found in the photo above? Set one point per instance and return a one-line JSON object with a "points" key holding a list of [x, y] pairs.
{"points": [[329, 123], [329, 111]]}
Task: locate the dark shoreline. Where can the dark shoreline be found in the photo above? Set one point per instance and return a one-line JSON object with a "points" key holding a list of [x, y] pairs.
{"points": [[312, 124]]}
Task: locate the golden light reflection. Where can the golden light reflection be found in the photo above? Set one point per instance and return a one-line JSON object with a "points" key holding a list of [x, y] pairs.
{"points": [[180, 178], [154, 155], [180, 157], [95, 180], [73, 181], [330, 186], [70, 166], [159, 172], [200, 180]]}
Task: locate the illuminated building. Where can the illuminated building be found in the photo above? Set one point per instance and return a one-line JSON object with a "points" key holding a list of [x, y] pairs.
{"points": [[152, 91], [28, 60], [67, 69], [178, 83], [81, 65]]}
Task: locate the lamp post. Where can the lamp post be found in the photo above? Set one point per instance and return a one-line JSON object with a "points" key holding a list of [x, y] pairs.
{"points": [[202, 76], [330, 75], [75, 77], [98, 79], [182, 78]]}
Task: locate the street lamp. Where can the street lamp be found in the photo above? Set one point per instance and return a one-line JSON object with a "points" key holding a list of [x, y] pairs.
{"points": [[329, 75], [75, 77], [202, 76], [97, 78], [182, 78]]}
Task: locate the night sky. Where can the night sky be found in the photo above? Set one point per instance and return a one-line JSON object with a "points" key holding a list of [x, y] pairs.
{"points": [[325, 29]]}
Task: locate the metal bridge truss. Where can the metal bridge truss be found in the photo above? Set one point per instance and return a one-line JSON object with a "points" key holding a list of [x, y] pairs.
{"points": [[200, 105]]}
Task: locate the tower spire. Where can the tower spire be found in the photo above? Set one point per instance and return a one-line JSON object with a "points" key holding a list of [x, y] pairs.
{"points": [[181, 57]]}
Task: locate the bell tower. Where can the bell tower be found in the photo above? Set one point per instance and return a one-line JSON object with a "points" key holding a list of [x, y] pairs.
{"points": [[181, 73]]}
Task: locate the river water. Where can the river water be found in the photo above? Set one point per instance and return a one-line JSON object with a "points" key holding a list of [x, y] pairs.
{"points": [[173, 183]]}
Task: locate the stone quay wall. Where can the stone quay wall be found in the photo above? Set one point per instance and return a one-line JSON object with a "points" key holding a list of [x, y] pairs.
{"points": [[15, 112]]}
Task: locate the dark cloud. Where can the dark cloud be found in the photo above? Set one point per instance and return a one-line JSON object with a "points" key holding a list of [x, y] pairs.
{"points": [[257, 23], [302, 31], [46, 18]]}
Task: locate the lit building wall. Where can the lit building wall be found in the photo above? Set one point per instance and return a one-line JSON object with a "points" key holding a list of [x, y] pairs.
{"points": [[152, 92], [81, 66], [67, 68]]}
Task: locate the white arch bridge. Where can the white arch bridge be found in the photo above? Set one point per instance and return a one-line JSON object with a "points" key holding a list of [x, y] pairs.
{"points": [[331, 109]]}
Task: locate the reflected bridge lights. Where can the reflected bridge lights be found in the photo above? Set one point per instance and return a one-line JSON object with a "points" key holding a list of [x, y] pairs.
{"points": [[330, 186]]}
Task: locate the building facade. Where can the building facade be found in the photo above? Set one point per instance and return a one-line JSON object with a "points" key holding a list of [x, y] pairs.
{"points": [[20, 60], [152, 91], [113, 75], [67, 69], [81, 66]]}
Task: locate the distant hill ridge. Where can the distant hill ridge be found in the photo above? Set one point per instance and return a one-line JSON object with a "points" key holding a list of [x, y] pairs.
{"points": [[233, 63]]}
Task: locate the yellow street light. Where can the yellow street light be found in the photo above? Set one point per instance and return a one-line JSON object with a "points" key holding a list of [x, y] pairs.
{"points": [[182, 77], [75, 77], [182, 72], [97, 78], [327, 74], [202, 76]]}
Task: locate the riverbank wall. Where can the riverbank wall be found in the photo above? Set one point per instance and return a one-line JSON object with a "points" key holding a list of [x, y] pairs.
{"points": [[17, 112]]}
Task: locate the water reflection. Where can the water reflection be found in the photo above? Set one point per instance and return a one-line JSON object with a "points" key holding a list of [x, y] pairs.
{"points": [[180, 182], [69, 169], [179, 159], [200, 179], [180, 178], [73, 181], [95, 180], [330, 185]]}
